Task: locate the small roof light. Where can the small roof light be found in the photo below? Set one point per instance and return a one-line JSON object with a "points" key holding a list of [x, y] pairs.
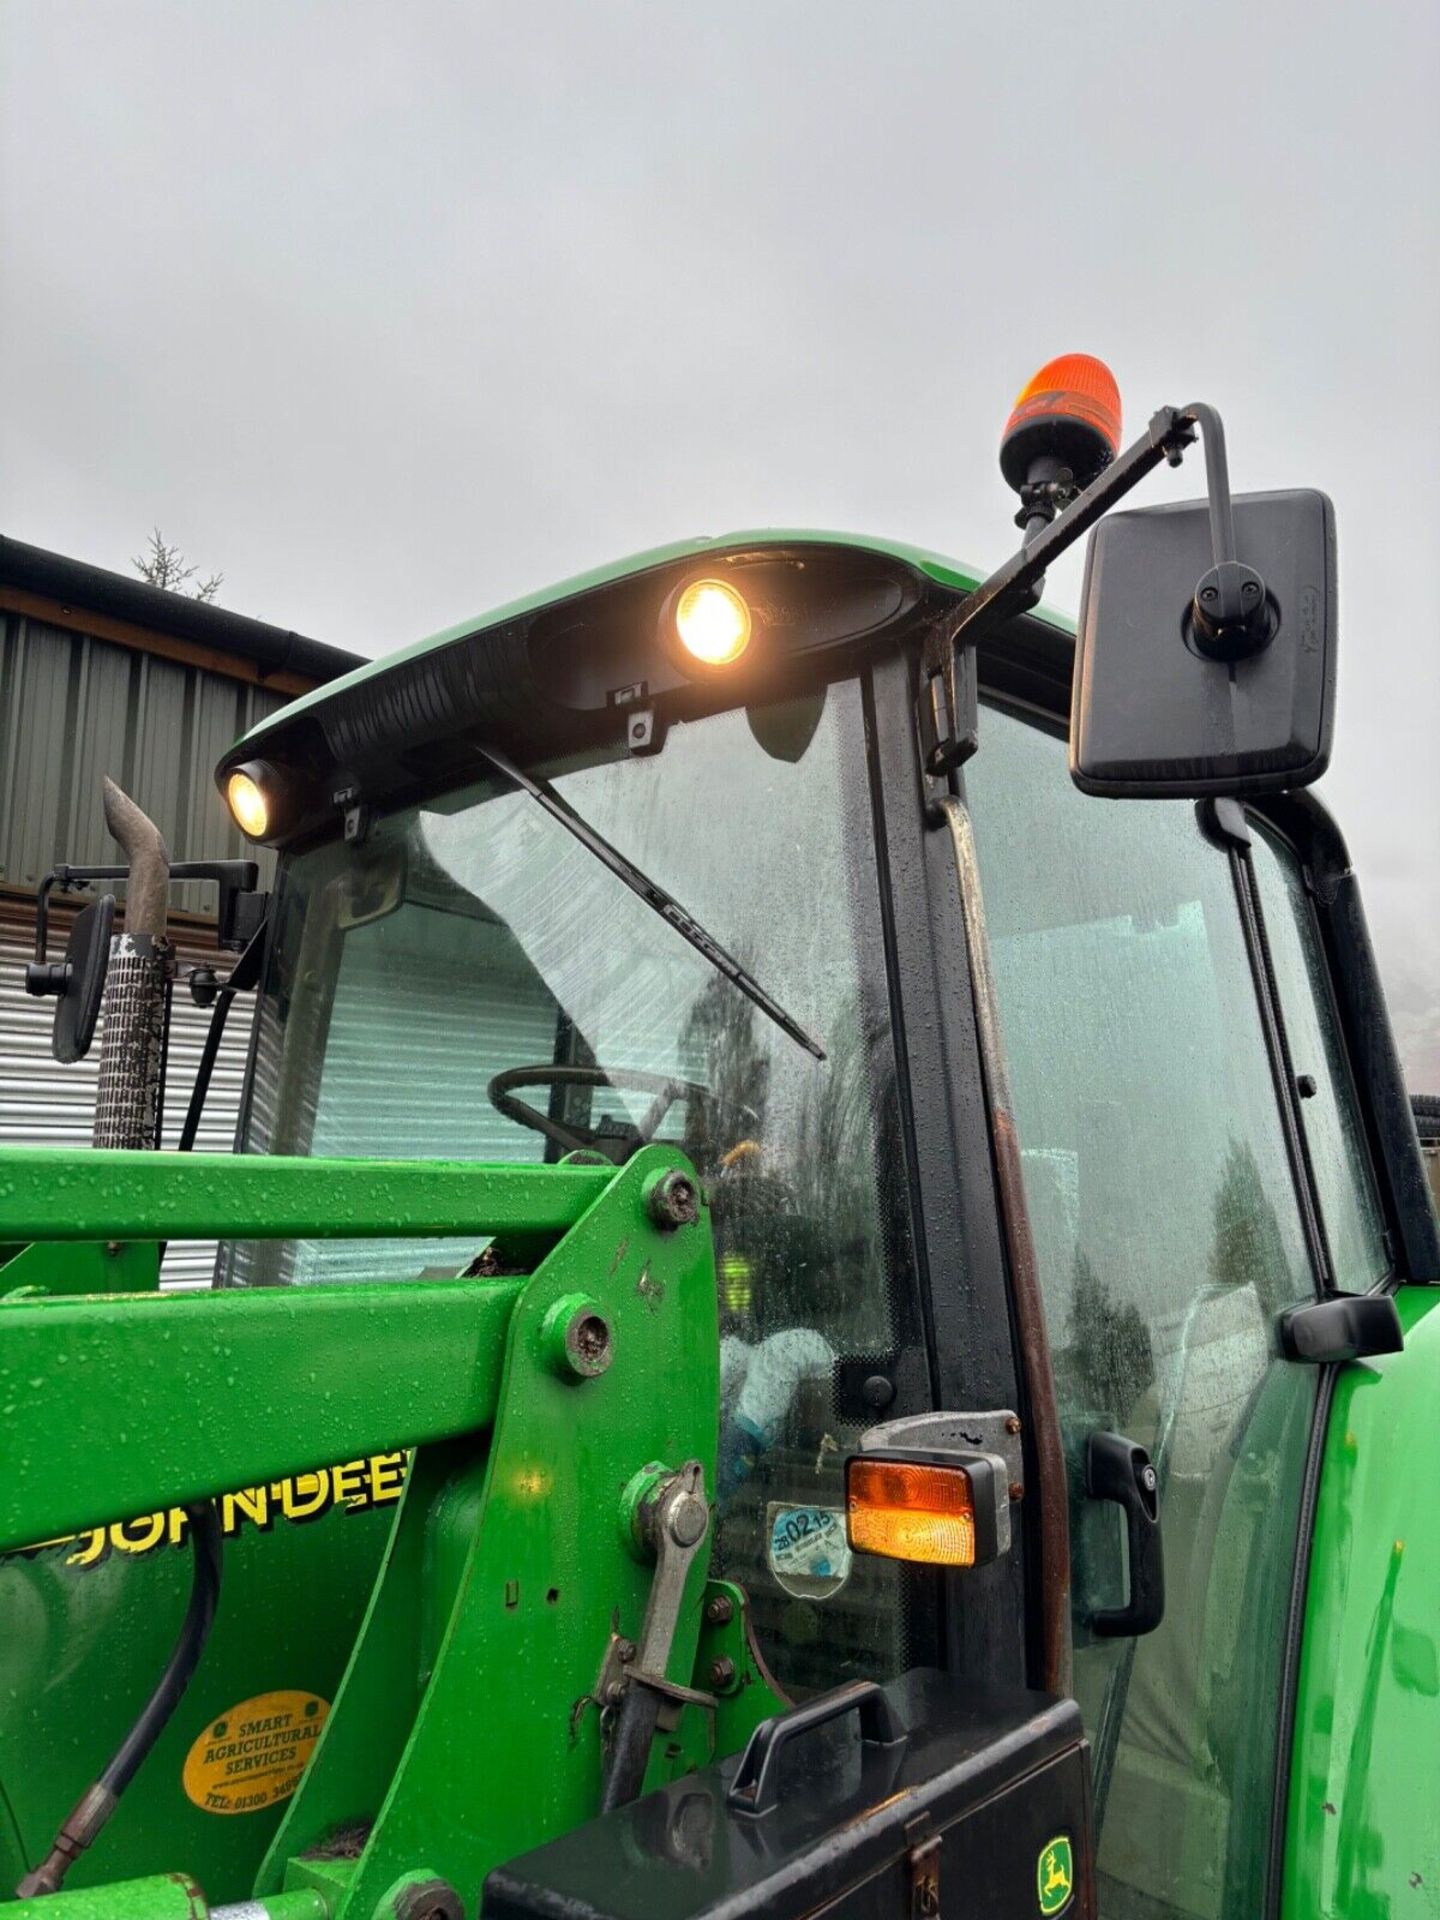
{"points": [[712, 622], [247, 802], [1070, 410]]}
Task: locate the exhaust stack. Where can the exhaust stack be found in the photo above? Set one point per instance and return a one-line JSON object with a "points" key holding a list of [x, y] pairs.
{"points": [[127, 1105]]}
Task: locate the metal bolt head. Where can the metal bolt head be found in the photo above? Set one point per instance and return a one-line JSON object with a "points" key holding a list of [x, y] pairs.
{"points": [[1148, 1479], [878, 1391], [1017, 1491], [722, 1674], [688, 1518], [576, 1338], [587, 1343], [673, 1200], [719, 1610], [1012, 1424], [614, 1693], [428, 1900]]}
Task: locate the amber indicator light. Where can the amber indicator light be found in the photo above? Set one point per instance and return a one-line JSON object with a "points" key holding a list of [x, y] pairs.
{"points": [[1073, 386], [904, 1510]]}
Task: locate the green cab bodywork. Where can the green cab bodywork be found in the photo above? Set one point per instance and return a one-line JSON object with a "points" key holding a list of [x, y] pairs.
{"points": [[1363, 1840]]}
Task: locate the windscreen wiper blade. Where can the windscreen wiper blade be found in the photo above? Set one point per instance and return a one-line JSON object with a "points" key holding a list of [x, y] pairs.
{"points": [[655, 897]]}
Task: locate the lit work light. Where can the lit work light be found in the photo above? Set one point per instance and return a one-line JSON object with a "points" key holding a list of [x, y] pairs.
{"points": [[247, 802], [712, 622]]}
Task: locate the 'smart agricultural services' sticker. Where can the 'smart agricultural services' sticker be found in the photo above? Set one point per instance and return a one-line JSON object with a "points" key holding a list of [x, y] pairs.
{"points": [[254, 1754], [808, 1552]]}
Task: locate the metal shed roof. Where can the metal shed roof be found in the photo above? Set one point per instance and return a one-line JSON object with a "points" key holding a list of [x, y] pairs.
{"points": [[99, 674], [76, 584]]}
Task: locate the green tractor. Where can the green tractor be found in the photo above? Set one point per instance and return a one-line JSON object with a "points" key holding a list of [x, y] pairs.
{"points": [[825, 1297]]}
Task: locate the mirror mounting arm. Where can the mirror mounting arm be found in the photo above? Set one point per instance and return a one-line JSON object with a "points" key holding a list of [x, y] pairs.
{"points": [[945, 709], [235, 878], [1231, 616]]}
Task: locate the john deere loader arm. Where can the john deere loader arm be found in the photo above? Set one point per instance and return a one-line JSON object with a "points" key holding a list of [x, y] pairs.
{"points": [[530, 1648]]}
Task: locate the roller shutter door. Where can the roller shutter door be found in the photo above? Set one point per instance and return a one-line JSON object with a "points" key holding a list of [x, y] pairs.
{"points": [[45, 1104], [412, 1046]]}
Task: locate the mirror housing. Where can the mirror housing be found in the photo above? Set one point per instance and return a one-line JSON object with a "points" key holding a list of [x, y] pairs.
{"points": [[82, 980], [1167, 702]]}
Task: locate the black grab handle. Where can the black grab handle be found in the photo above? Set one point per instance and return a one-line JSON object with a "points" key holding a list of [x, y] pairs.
{"points": [[1118, 1469], [754, 1789]]}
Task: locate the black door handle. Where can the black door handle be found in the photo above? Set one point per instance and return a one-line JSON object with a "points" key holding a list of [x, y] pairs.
{"points": [[754, 1787], [1119, 1470]]}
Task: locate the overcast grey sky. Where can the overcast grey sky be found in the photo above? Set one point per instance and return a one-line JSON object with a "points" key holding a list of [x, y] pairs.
{"points": [[394, 311]]}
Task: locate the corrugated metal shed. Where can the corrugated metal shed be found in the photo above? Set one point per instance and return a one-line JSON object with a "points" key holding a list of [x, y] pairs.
{"points": [[99, 674], [74, 708]]}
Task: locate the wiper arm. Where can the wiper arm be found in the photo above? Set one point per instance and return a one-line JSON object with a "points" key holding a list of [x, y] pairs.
{"points": [[655, 897]]}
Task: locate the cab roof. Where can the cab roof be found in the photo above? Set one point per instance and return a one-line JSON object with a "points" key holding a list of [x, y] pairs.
{"points": [[946, 572]]}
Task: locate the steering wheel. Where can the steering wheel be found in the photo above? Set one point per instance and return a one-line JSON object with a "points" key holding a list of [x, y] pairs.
{"points": [[621, 1138]]}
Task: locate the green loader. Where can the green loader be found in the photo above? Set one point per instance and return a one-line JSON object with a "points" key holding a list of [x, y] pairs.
{"points": [[825, 1296]]}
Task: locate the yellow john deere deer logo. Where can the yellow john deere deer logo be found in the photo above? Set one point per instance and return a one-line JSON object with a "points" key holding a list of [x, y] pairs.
{"points": [[1055, 1875]]}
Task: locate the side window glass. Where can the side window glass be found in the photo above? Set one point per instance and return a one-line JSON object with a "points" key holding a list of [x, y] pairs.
{"points": [[1168, 1237], [1153, 1153], [1328, 1107]]}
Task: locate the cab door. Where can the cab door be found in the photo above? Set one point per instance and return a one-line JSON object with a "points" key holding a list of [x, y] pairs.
{"points": [[1176, 1213]]}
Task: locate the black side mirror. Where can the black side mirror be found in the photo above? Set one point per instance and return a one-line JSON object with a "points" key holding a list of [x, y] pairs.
{"points": [[78, 981], [1193, 677]]}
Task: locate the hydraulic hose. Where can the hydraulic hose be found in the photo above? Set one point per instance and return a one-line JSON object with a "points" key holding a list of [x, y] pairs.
{"points": [[99, 1800]]}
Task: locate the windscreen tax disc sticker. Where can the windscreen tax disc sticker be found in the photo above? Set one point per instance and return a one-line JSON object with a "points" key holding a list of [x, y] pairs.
{"points": [[252, 1755], [807, 1549]]}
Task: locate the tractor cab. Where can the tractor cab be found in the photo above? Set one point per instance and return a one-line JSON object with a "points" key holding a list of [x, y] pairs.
{"points": [[842, 1212], [465, 978]]}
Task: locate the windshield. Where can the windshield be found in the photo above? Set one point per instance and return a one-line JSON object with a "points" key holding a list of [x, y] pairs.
{"points": [[473, 937]]}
